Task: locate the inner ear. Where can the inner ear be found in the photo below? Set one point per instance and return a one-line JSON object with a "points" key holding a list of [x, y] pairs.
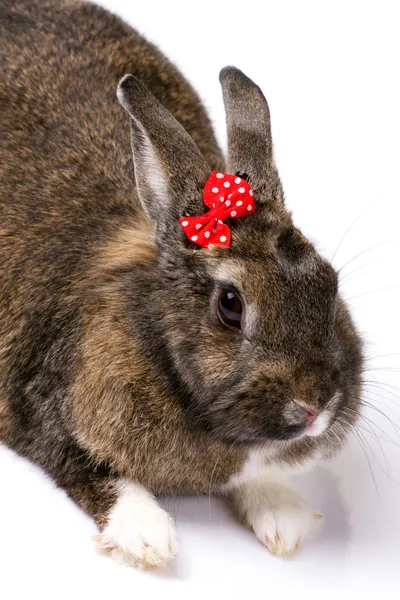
{"points": [[170, 171]]}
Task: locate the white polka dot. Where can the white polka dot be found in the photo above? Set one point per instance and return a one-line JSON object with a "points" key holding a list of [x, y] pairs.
{"points": [[230, 195], [219, 221], [233, 213], [211, 245], [215, 190], [241, 190], [198, 225], [227, 184], [219, 176], [221, 198], [228, 203], [238, 180], [185, 223], [249, 207], [239, 203], [222, 238], [194, 238], [207, 234], [251, 192]]}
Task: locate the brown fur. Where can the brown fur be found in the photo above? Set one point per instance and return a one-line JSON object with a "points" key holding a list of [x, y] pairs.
{"points": [[122, 412], [112, 359]]}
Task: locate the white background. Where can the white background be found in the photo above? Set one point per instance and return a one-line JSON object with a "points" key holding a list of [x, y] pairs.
{"points": [[330, 72]]}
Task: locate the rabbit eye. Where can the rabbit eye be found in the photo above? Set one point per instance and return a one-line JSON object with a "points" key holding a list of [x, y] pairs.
{"points": [[230, 308]]}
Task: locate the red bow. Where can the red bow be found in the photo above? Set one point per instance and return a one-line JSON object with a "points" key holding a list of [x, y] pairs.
{"points": [[228, 197]]}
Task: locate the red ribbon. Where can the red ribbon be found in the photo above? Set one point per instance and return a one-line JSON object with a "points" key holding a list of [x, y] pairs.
{"points": [[228, 197]]}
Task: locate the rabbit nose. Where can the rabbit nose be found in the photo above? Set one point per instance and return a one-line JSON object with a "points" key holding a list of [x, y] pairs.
{"points": [[310, 414]]}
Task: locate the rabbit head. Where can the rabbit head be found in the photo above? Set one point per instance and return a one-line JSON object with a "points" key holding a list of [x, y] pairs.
{"points": [[253, 338]]}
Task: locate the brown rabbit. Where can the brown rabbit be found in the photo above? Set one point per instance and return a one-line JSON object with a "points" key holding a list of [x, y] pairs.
{"points": [[132, 361]]}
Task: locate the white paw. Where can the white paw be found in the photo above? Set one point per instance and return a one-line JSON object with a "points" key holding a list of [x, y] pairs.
{"points": [[139, 532], [285, 522]]}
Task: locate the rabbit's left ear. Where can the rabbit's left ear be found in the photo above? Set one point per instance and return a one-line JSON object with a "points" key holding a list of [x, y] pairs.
{"points": [[170, 172], [249, 133]]}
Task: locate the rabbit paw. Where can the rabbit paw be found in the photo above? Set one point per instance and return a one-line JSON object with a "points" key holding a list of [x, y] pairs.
{"points": [[139, 532], [280, 519], [285, 522]]}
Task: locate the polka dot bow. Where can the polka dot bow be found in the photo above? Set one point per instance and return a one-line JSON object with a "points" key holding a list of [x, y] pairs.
{"points": [[228, 197]]}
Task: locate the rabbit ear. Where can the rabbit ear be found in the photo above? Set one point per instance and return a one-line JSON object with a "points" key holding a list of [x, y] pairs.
{"points": [[170, 172], [249, 128]]}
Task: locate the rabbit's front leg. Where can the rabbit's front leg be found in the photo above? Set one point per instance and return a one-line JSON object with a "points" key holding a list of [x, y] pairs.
{"points": [[137, 530], [280, 519], [134, 529]]}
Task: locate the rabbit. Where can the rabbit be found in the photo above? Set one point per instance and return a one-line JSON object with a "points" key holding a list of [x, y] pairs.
{"points": [[135, 363]]}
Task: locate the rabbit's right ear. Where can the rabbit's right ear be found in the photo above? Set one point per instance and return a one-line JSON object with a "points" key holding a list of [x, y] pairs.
{"points": [[249, 131], [170, 171]]}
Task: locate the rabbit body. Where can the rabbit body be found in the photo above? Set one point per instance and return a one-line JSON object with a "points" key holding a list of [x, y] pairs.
{"points": [[100, 381]]}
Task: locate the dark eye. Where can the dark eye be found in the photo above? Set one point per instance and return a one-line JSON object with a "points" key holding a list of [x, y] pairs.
{"points": [[230, 308]]}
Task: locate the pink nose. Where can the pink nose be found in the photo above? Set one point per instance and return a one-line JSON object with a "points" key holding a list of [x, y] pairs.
{"points": [[312, 416]]}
